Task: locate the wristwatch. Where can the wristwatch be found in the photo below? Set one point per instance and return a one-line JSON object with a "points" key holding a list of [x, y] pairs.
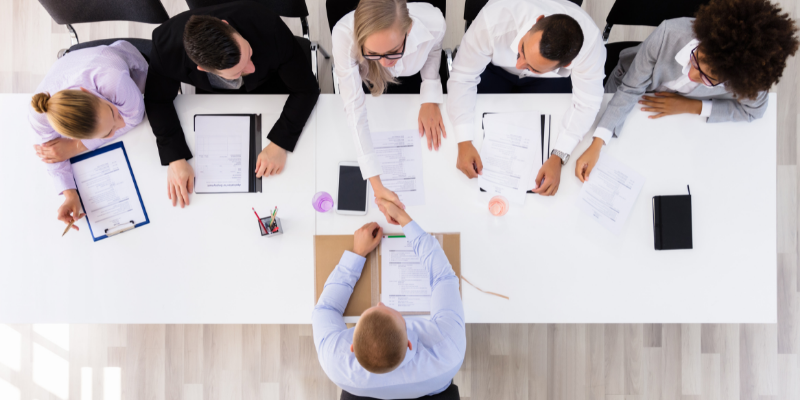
{"points": [[563, 156]]}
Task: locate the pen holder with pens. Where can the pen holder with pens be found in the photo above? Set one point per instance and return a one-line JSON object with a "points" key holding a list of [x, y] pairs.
{"points": [[272, 232]]}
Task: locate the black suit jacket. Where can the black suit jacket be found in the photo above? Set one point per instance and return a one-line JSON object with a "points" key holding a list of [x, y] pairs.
{"points": [[276, 55]]}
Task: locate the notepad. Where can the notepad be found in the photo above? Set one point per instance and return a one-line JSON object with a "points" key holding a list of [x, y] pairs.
{"points": [[672, 222], [405, 281], [226, 148], [108, 191]]}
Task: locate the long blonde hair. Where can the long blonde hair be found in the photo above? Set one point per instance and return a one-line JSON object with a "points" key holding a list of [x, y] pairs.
{"points": [[374, 16], [72, 113]]}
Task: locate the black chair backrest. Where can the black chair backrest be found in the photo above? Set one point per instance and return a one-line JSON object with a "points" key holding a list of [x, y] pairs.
{"points": [[337, 9], [284, 8], [473, 7], [651, 13], [80, 11]]}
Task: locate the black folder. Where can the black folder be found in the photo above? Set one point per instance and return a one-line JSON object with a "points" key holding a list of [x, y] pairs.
{"points": [[254, 184], [672, 222]]}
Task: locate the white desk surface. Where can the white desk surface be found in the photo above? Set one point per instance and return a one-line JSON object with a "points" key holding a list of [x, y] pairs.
{"points": [[559, 266], [207, 263]]}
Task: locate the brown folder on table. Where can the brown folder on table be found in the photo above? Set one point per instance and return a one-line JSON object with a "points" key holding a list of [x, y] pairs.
{"points": [[328, 250]]}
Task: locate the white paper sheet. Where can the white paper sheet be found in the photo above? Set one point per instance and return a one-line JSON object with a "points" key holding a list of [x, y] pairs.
{"points": [[107, 192], [522, 119], [610, 192], [400, 155], [222, 154], [405, 282], [511, 157]]}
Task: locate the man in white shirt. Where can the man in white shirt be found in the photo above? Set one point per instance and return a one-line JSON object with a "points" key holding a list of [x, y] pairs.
{"points": [[529, 40]]}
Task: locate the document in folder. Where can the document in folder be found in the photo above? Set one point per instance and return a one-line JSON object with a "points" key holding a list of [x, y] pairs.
{"points": [[225, 152], [405, 281], [511, 156], [108, 191]]}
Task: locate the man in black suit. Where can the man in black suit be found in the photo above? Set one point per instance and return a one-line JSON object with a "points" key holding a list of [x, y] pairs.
{"points": [[239, 47]]}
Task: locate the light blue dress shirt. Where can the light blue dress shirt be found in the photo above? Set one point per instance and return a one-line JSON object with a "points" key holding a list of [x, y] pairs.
{"points": [[438, 343]]}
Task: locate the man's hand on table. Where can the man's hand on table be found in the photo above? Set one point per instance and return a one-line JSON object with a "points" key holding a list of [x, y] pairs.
{"points": [[549, 177], [367, 238], [469, 161], [270, 161], [180, 182]]}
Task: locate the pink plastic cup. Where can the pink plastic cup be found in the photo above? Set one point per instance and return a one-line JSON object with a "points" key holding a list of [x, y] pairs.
{"points": [[498, 206]]}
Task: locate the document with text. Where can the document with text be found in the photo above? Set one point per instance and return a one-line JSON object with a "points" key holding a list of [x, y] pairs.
{"points": [[400, 156], [510, 155], [405, 281], [610, 192], [222, 154], [107, 191]]}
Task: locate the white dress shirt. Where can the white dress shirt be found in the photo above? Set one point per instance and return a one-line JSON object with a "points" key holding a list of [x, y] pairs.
{"points": [[423, 53], [681, 84], [494, 37]]}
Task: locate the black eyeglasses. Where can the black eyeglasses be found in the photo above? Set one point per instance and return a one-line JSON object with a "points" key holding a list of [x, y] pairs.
{"points": [[706, 79], [393, 56]]}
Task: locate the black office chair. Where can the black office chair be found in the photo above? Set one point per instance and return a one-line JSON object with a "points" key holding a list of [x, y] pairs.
{"points": [[473, 7], [637, 12], [336, 9], [68, 12], [284, 8]]}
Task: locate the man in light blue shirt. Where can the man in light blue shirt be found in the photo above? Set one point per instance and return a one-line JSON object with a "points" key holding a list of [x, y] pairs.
{"points": [[386, 356]]}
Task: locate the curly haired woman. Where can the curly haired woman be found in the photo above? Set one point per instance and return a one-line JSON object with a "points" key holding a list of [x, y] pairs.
{"points": [[718, 65]]}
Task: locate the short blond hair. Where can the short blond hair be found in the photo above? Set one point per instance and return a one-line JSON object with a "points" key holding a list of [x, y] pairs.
{"points": [[374, 16], [379, 343], [72, 113]]}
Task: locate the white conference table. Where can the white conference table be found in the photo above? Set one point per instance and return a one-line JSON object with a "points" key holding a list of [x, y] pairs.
{"points": [[207, 263]]}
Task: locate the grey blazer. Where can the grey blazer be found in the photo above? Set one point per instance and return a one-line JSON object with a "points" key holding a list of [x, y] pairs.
{"points": [[645, 67]]}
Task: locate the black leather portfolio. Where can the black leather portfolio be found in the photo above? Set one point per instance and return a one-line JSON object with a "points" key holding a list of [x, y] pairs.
{"points": [[672, 222]]}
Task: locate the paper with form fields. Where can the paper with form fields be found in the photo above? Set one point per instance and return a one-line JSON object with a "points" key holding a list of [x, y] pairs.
{"points": [[610, 192], [222, 154], [511, 157], [405, 281], [107, 191], [401, 160]]}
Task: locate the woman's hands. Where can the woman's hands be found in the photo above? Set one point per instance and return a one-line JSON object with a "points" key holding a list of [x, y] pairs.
{"points": [[397, 214], [270, 161], [670, 104], [588, 159], [59, 149], [431, 125], [70, 210]]}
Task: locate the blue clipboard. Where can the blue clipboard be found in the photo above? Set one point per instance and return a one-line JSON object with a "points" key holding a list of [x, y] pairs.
{"points": [[118, 145]]}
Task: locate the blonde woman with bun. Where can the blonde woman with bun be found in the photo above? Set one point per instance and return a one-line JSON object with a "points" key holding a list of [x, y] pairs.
{"points": [[389, 46], [90, 97]]}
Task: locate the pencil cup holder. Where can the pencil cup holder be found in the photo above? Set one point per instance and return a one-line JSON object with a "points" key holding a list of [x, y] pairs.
{"points": [[266, 221]]}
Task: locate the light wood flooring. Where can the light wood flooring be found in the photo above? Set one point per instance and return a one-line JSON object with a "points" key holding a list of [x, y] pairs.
{"points": [[504, 361]]}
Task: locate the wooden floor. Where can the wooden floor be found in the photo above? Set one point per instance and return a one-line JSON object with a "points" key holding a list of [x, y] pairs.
{"points": [[504, 361]]}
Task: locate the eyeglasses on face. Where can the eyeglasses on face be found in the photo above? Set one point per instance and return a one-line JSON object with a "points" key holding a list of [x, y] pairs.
{"points": [[708, 81], [392, 56]]}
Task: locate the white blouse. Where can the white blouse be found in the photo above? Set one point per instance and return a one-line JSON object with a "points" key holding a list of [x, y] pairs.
{"points": [[423, 53]]}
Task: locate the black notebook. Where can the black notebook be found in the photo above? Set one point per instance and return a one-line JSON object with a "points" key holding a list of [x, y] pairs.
{"points": [[672, 222], [225, 153]]}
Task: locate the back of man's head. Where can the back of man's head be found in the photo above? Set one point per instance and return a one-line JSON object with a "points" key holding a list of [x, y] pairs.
{"points": [[562, 38], [379, 342], [211, 43]]}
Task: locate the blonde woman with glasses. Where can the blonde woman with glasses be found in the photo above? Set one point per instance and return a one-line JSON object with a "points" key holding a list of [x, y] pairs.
{"points": [[388, 46]]}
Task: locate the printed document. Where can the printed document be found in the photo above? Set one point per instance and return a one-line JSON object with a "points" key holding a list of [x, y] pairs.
{"points": [[610, 192], [107, 191], [511, 157], [405, 281], [222, 154], [400, 155]]}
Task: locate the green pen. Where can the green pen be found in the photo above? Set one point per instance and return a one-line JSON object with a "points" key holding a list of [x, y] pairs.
{"points": [[396, 236]]}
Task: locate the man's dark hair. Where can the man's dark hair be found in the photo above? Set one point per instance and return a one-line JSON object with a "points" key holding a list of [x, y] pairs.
{"points": [[562, 38], [210, 43], [745, 43]]}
